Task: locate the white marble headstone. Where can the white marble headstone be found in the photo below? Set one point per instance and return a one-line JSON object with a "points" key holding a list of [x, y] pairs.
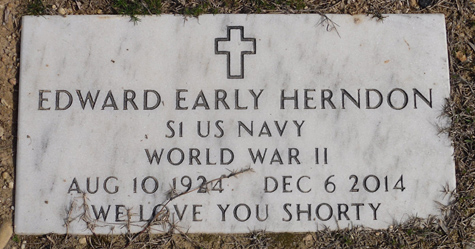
{"points": [[338, 119]]}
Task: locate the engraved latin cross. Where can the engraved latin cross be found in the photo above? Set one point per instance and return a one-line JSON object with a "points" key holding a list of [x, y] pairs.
{"points": [[235, 46]]}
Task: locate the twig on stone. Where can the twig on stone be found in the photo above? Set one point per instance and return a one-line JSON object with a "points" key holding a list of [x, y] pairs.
{"points": [[86, 217], [330, 25], [129, 218], [162, 215], [68, 218]]}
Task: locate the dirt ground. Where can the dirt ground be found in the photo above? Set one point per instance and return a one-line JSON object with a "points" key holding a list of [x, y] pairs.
{"points": [[455, 231]]}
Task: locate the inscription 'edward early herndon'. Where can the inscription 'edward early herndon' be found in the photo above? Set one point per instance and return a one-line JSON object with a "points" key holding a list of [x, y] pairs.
{"points": [[219, 99]]}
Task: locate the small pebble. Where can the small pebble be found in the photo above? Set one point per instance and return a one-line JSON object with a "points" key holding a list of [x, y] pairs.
{"points": [[308, 239], [461, 56], [4, 102], [23, 244], [12, 81], [54, 7], [6, 231], [62, 11], [10, 185], [425, 3], [99, 11], [82, 241], [2, 132], [5, 175]]}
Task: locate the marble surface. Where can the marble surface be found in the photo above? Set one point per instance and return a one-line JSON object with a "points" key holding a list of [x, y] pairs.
{"points": [[347, 111]]}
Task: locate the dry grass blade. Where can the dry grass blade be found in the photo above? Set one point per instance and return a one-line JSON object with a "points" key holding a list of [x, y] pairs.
{"points": [[161, 217]]}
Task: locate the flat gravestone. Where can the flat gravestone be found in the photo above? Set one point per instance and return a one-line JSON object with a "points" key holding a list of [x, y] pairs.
{"points": [[231, 123]]}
